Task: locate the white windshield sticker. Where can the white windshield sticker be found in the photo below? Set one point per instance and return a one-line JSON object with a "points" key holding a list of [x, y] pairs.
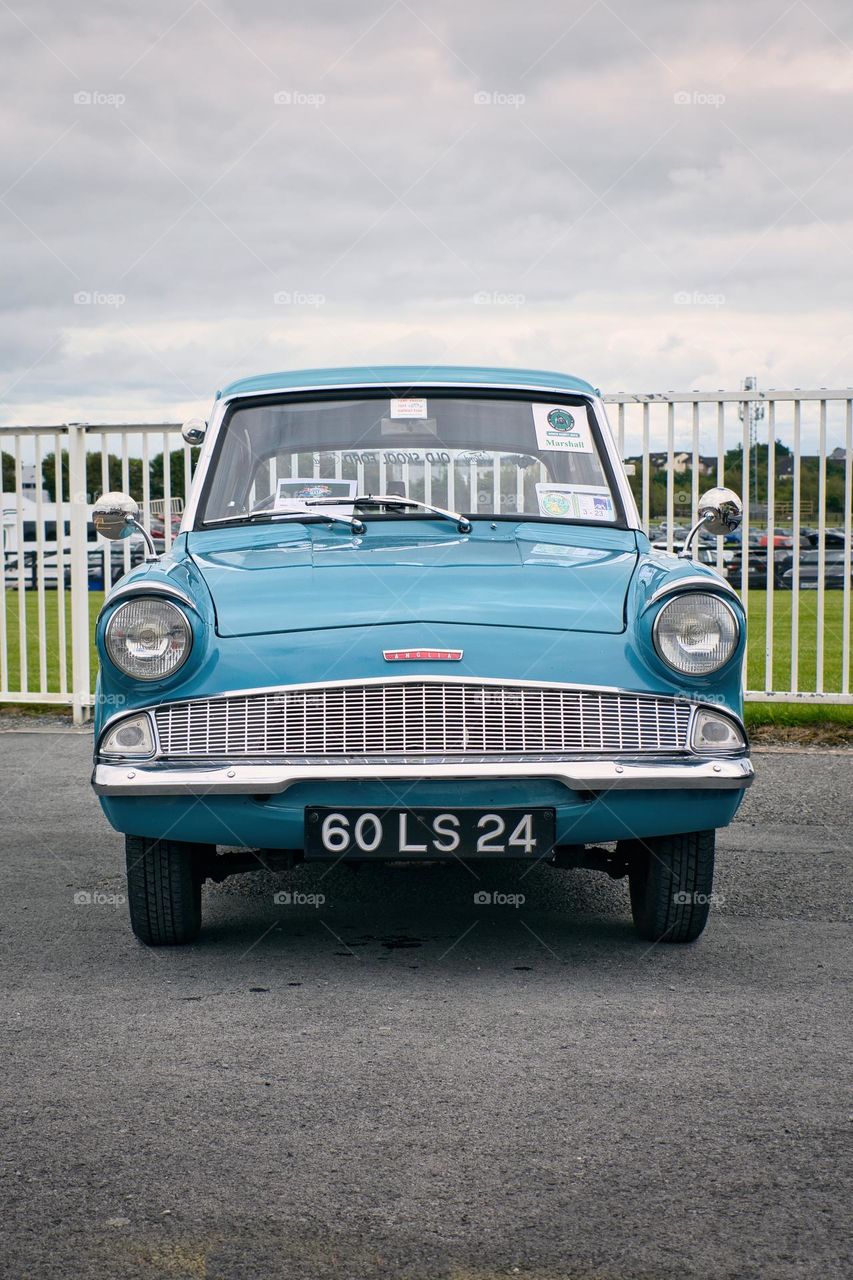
{"points": [[575, 501], [563, 428], [411, 407], [297, 493]]}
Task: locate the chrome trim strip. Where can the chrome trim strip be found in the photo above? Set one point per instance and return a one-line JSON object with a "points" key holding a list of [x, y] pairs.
{"points": [[140, 588], [575, 775], [214, 422], [693, 582]]}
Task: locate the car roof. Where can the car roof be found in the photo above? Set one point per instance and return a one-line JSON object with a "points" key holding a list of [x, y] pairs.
{"points": [[405, 375]]}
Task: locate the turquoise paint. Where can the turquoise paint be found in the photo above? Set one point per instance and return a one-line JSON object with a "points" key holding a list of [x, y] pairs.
{"points": [[292, 604], [277, 823], [403, 376]]}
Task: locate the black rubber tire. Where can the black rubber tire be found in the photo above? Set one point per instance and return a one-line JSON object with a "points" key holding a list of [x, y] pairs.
{"points": [[164, 879], [671, 880]]}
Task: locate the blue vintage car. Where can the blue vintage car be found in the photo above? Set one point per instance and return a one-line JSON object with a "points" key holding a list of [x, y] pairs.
{"points": [[411, 613]]}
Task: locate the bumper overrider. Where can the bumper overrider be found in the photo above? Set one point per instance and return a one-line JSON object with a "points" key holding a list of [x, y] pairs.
{"points": [[242, 743]]}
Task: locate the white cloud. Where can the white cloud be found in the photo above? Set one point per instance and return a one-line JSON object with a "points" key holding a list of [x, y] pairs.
{"points": [[397, 197]]}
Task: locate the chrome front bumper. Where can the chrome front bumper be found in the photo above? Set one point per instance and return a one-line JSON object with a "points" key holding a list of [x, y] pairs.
{"points": [[683, 773]]}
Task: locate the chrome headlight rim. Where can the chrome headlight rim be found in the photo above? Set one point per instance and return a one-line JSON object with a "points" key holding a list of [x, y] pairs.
{"points": [[133, 672], [679, 598]]}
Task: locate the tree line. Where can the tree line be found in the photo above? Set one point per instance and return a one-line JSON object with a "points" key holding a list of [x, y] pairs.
{"points": [[733, 478], [94, 475]]}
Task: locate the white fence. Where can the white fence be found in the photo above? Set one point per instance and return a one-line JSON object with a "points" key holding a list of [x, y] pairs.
{"points": [[53, 569]]}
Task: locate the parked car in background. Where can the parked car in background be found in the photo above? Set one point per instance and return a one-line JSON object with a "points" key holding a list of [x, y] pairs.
{"points": [[157, 523], [778, 537], [757, 562], [411, 614], [836, 568], [831, 538]]}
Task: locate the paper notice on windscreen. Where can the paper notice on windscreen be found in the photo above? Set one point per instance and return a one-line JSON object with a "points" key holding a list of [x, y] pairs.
{"points": [[562, 428], [575, 501], [411, 407], [301, 493]]}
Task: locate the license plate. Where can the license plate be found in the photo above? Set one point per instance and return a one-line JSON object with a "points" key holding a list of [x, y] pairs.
{"points": [[429, 833]]}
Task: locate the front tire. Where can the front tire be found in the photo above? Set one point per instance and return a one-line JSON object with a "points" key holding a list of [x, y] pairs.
{"points": [[164, 879], [671, 880]]}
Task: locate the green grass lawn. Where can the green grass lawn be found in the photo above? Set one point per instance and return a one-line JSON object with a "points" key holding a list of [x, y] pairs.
{"points": [[807, 646], [757, 601], [51, 628]]}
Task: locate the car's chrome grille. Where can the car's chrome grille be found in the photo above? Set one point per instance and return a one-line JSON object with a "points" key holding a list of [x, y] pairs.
{"points": [[421, 718]]}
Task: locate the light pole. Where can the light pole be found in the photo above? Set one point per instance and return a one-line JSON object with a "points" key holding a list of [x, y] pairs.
{"points": [[756, 413]]}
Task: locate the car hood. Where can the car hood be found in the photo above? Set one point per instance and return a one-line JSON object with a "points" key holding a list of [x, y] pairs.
{"points": [[271, 578]]}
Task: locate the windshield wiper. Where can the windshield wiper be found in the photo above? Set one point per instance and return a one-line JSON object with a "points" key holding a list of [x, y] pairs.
{"points": [[258, 517], [463, 524]]}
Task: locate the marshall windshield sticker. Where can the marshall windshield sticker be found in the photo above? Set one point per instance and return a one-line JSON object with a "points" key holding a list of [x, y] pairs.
{"points": [[559, 428]]}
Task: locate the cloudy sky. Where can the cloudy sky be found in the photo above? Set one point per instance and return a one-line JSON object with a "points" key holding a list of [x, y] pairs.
{"points": [[652, 196]]}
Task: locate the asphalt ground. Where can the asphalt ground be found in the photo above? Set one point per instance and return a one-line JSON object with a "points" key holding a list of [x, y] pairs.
{"points": [[399, 1083]]}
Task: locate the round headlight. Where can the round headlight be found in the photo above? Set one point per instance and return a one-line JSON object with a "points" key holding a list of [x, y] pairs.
{"points": [[148, 638], [696, 634]]}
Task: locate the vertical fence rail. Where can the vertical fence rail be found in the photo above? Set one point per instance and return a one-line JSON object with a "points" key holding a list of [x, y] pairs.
{"points": [[848, 540], [848, 548], [59, 496], [795, 571], [23, 655], [798, 460], [5, 675], [80, 674], [771, 546], [821, 544]]}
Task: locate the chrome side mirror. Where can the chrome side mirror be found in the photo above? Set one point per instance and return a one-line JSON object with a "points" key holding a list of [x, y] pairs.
{"points": [[720, 511], [116, 516], [194, 430]]}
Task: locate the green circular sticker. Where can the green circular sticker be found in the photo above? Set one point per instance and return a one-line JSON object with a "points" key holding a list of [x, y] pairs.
{"points": [[560, 420]]}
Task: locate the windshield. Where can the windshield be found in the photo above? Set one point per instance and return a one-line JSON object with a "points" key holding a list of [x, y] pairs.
{"points": [[496, 457]]}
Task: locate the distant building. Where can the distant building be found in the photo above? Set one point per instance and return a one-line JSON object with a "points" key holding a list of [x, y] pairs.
{"points": [[28, 483], [682, 462]]}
